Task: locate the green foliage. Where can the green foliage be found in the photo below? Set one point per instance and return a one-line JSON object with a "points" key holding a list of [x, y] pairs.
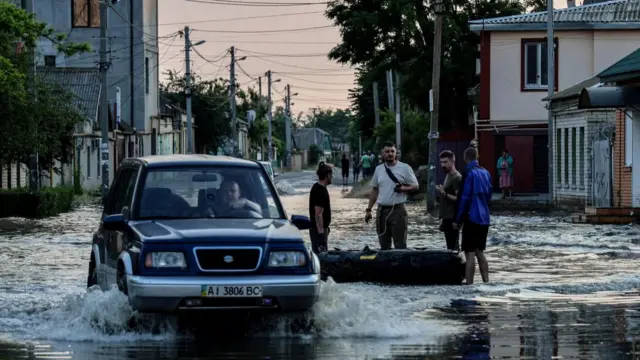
{"points": [[39, 116], [414, 144], [398, 34], [209, 104], [314, 154], [47, 202]]}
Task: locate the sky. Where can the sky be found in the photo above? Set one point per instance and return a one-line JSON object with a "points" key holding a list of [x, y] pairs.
{"points": [[297, 58]]}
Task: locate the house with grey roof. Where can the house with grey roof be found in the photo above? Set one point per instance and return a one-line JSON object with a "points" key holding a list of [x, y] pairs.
{"points": [[513, 79]]}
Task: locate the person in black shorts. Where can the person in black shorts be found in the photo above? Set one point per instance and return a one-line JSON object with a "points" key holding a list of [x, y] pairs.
{"points": [[320, 209], [344, 163], [473, 215]]}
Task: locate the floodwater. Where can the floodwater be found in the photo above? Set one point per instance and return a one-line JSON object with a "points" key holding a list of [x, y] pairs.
{"points": [[557, 290]]}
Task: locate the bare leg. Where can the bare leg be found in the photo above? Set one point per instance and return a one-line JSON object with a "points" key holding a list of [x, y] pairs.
{"points": [[470, 267], [504, 193], [510, 192], [483, 264]]}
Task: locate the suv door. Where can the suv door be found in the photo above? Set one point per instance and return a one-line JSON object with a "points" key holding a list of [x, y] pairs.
{"points": [[121, 196]]}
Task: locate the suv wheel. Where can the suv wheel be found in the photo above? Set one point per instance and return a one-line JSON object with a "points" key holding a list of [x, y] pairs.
{"points": [[121, 280], [92, 278]]}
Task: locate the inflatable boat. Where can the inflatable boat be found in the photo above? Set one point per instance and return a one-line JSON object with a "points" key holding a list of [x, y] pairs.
{"points": [[401, 267]]}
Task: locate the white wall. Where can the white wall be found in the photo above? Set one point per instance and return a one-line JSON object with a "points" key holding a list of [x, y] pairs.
{"points": [[581, 55]]}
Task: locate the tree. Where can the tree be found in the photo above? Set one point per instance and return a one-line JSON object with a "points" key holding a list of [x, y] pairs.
{"points": [[398, 34], [209, 104], [36, 116]]}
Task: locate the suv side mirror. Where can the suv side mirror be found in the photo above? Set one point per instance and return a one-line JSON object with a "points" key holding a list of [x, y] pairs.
{"points": [[301, 222], [115, 222]]}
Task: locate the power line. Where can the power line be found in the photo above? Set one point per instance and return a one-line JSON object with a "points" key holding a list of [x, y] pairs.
{"points": [[284, 55], [273, 42], [284, 64], [256, 3], [266, 31], [309, 81]]}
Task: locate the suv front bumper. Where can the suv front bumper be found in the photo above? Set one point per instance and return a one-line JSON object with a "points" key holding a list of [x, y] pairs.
{"points": [[168, 294]]}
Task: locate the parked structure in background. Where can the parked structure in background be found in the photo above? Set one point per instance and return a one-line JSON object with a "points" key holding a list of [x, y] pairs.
{"points": [[305, 137], [622, 93], [513, 77], [582, 145]]}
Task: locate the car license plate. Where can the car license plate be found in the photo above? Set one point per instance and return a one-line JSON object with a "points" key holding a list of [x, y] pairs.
{"points": [[231, 291]]}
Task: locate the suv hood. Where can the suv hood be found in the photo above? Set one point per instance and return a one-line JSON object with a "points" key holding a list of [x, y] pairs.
{"points": [[218, 230]]}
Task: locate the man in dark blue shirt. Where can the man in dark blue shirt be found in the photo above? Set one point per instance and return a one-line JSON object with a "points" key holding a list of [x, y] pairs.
{"points": [[473, 215]]}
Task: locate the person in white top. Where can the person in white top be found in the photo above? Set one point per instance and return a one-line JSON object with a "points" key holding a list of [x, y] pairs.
{"points": [[391, 181]]}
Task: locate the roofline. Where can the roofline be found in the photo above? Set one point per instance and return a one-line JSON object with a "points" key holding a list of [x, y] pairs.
{"points": [[627, 75], [478, 26]]}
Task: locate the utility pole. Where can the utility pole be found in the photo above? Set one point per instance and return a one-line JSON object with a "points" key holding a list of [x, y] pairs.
{"points": [[398, 117], [376, 103], [34, 167], [551, 76], [390, 91], [269, 116], [433, 132], [287, 99], [260, 86], [104, 99], [232, 97], [187, 90]]}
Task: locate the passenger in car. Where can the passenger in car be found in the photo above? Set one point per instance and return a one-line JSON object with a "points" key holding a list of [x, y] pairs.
{"points": [[229, 198]]}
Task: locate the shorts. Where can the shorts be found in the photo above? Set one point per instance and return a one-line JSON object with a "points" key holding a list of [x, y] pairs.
{"points": [[451, 235], [474, 237], [345, 172]]}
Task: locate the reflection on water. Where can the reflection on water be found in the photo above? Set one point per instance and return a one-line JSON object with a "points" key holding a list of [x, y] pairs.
{"points": [[558, 290]]}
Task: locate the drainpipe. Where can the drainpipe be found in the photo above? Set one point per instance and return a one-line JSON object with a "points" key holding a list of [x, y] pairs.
{"points": [[131, 69]]}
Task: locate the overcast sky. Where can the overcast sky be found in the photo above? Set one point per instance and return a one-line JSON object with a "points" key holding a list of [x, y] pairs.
{"points": [[297, 58]]}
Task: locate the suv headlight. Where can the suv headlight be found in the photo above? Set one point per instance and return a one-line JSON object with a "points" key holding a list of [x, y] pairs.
{"points": [[165, 259], [287, 258]]}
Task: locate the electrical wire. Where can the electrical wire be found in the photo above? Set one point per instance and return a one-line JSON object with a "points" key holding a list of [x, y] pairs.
{"points": [[256, 3], [283, 55], [310, 81], [244, 72], [273, 42], [231, 19], [284, 64], [266, 31]]}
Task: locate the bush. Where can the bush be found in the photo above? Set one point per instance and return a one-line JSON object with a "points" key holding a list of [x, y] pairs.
{"points": [[47, 202]]}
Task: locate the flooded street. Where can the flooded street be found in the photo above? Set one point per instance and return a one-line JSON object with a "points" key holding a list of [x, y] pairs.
{"points": [[557, 290]]}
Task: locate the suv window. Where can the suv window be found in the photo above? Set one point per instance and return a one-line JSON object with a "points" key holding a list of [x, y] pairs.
{"points": [[205, 192], [123, 192]]}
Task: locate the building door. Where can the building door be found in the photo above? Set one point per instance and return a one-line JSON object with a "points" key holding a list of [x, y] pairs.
{"points": [[521, 150]]}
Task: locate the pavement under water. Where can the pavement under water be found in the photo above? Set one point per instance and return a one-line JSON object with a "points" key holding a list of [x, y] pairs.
{"points": [[557, 290]]}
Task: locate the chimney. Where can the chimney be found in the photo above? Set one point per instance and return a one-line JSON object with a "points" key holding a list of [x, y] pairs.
{"points": [[571, 3]]}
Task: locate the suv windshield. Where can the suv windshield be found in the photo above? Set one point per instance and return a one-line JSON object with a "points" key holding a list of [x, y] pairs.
{"points": [[207, 192]]}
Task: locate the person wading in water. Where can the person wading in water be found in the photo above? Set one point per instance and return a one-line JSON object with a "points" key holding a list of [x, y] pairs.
{"points": [[473, 215], [344, 163], [449, 196], [320, 209], [391, 181]]}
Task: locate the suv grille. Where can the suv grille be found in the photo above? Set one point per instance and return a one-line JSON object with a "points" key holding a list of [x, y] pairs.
{"points": [[236, 259]]}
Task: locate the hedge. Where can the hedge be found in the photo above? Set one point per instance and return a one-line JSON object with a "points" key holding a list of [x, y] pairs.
{"points": [[47, 202]]}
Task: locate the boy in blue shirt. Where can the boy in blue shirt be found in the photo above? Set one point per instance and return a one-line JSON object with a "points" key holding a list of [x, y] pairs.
{"points": [[473, 215]]}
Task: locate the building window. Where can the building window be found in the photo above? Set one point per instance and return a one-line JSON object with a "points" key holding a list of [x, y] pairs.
{"points": [[85, 13], [566, 156], [574, 156], [534, 64], [50, 60], [146, 75], [581, 152], [559, 156]]}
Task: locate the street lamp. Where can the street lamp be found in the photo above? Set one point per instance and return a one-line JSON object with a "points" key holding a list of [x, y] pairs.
{"points": [[199, 43]]}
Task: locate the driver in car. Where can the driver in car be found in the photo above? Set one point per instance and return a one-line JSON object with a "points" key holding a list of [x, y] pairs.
{"points": [[230, 200]]}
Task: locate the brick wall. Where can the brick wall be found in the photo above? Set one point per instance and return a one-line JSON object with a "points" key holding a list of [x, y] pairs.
{"points": [[621, 173]]}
